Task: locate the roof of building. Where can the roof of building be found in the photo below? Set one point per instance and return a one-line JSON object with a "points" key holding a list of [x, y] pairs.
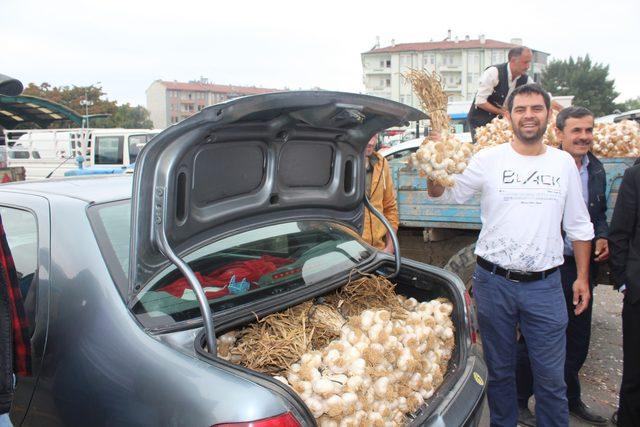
{"points": [[444, 45], [210, 87]]}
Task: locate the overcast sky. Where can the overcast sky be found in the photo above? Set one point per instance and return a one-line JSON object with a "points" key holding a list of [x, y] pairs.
{"points": [[126, 45]]}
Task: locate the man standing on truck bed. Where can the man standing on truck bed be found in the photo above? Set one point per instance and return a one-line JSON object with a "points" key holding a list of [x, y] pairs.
{"points": [[575, 131], [496, 83], [529, 191], [381, 195]]}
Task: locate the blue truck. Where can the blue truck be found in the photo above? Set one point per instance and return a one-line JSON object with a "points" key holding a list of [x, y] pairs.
{"points": [[444, 234]]}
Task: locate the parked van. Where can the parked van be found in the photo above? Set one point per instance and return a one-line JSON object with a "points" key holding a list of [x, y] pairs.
{"points": [[50, 152]]}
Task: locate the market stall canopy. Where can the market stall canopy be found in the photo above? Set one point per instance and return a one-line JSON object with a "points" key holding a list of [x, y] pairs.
{"points": [[32, 111]]}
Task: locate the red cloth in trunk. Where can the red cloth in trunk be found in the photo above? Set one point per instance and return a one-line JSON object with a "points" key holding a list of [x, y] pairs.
{"points": [[215, 283]]}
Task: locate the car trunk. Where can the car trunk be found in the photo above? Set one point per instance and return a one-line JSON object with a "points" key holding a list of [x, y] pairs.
{"points": [[415, 280]]}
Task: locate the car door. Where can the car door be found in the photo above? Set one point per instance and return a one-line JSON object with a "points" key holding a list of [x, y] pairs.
{"points": [[27, 227]]}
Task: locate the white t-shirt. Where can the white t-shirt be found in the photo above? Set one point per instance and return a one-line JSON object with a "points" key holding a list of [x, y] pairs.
{"points": [[525, 201]]}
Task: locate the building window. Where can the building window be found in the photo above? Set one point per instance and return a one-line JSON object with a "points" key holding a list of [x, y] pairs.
{"points": [[497, 57], [388, 63], [387, 82], [381, 63]]}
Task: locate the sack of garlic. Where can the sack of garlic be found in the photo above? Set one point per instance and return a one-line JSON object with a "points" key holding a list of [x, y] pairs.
{"points": [[617, 139], [609, 139], [388, 357], [498, 131], [438, 160]]}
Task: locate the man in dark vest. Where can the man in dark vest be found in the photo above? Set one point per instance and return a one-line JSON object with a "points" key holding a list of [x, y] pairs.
{"points": [[496, 83]]}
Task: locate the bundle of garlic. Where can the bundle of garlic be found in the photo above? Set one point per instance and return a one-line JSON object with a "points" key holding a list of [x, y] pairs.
{"points": [[439, 160], [382, 368], [429, 89], [617, 139]]}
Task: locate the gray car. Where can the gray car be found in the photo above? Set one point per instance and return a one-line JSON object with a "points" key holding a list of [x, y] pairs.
{"points": [[121, 274]]}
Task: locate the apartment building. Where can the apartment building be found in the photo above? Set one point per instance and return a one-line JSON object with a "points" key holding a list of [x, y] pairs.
{"points": [[459, 62], [171, 102]]}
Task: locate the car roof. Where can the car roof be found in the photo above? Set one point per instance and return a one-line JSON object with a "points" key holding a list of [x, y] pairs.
{"points": [[91, 189], [402, 146]]}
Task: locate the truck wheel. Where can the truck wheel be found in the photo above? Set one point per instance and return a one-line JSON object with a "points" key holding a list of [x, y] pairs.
{"points": [[463, 263]]}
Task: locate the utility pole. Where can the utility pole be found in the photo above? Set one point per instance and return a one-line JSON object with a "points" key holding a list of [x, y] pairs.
{"points": [[86, 103]]}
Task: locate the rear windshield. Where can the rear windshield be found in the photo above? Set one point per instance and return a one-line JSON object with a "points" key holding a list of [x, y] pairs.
{"points": [[237, 270]]}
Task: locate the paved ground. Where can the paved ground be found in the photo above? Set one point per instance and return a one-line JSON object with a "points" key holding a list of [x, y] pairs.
{"points": [[602, 372]]}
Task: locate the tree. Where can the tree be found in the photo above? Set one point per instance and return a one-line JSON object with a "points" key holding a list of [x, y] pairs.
{"points": [[588, 82], [74, 97], [630, 104], [127, 117]]}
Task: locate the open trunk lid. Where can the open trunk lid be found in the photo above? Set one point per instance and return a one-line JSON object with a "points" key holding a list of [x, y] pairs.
{"points": [[252, 160]]}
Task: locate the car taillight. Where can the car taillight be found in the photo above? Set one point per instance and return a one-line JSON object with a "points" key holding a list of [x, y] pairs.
{"points": [[283, 420], [472, 324]]}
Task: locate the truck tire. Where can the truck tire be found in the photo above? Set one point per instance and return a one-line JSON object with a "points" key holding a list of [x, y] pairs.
{"points": [[463, 263]]}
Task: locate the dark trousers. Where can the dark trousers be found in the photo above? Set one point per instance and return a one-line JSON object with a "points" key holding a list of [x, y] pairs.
{"points": [[578, 338], [629, 412], [539, 310]]}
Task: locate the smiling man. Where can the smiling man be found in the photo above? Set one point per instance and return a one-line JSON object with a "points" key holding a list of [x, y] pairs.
{"points": [[575, 131], [528, 193]]}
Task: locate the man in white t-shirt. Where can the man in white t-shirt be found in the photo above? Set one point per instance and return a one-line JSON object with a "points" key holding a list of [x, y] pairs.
{"points": [[529, 192]]}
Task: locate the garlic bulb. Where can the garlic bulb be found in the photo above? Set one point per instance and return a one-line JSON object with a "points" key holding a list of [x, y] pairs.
{"points": [[441, 157]]}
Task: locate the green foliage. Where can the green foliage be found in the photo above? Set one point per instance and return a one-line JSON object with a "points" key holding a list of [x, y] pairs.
{"points": [[73, 97], [630, 104], [127, 117], [588, 82]]}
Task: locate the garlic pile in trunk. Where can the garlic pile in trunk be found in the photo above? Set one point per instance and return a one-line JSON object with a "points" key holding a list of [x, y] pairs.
{"points": [[383, 367], [438, 160], [617, 139]]}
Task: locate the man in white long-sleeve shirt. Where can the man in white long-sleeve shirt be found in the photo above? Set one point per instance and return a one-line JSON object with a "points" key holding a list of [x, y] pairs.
{"points": [[529, 192], [496, 84]]}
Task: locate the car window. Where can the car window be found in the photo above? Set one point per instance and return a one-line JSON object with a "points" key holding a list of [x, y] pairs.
{"points": [[236, 270], [22, 236], [136, 143], [108, 150], [115, 220]]}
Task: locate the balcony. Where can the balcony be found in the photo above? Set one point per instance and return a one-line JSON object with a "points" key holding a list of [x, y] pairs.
{"points": [[449, 67], [382, 93], [377, 70], [453, 87]]}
